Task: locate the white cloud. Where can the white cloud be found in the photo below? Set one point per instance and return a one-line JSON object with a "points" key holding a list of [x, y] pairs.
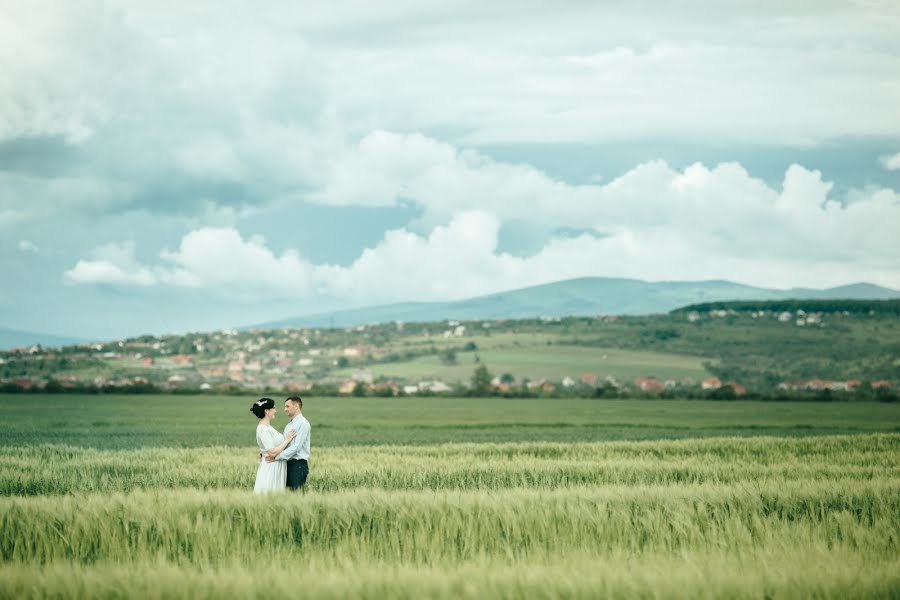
{"points": [[27, 246], [266, 99], [701, 91], [724, 205], [219, 258], [212, 156], [891, 163], [25, 197], [387, 168], [113, 264], [654, 223]]}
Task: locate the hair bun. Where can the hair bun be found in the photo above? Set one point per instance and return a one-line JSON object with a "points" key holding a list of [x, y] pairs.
{"points": [[260, 407]]}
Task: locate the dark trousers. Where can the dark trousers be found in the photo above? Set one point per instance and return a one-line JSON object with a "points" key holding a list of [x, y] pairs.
{"points": [[297, 472]]}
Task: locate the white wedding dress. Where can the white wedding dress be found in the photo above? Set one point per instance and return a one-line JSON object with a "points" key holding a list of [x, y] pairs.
{"points": [[270, 477]]}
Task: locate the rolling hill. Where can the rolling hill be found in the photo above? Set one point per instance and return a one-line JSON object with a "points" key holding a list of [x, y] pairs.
{"points": [[13, 338], [585, 296]]}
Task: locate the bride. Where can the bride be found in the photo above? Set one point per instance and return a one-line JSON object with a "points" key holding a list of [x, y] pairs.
{"points": [[270, 477]]}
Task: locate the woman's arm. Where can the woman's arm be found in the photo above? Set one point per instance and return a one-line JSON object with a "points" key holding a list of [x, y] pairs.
{"points": [[284, 443]]}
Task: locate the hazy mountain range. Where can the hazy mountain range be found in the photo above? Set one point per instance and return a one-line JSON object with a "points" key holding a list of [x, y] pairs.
{"points": [[13, 338], [586, 296]]}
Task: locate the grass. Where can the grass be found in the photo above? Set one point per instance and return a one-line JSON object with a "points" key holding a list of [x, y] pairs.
{"points": [[133, 421], [770, 573], [549, 466], [534, 359], [687, 518], [188, 527], [145, 496]]}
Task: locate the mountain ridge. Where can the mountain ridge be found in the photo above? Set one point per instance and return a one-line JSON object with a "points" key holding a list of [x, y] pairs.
{"points": [[15, 338], [577, 297]]}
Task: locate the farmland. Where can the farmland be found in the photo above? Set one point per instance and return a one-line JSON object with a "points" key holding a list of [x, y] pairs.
{"points": [[450, 498], [772, 350], [129, 421], [529, 359]]}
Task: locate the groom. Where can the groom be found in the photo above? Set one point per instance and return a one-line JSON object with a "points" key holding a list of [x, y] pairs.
{"points": [[297, 452]]}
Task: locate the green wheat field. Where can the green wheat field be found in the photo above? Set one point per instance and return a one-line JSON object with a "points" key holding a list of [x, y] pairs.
{"points": [[148, 496]]}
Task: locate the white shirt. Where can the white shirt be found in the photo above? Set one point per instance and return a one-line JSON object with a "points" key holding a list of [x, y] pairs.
{"points": [[299, 446]]}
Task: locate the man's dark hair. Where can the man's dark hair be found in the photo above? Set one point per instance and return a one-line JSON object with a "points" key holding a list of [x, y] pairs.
{"points": [[294, 399]]}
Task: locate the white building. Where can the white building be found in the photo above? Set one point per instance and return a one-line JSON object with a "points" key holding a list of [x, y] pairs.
{"points": [[434, 386], [364, 376]]}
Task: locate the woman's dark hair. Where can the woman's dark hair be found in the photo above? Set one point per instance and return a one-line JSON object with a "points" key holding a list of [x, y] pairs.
{"points": [[259, 407]]}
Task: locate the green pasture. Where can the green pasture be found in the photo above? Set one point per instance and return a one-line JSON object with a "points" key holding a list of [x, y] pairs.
{"points": [[535, 361], [133, 421]]}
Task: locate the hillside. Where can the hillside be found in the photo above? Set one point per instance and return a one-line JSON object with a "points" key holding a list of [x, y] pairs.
{"points": [[577, 297], [12, 338], [764, 347]]}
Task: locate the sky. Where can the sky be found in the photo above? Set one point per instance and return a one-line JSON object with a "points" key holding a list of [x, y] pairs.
{"points": [[186, 166]]}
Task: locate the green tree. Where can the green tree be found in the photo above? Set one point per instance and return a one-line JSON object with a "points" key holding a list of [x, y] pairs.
{"points": [[481, 380], [448, 357], [507, 378], [342, 362]]}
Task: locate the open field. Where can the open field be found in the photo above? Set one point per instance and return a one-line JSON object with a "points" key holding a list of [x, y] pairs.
{"points": [[533, 359], [549, 466], [688, 518], [148, 496], [133, 421]]}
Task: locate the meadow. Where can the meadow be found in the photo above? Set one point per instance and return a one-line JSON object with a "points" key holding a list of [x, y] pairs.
{"points": [[111, 421], [706, 499], [526, 356]]}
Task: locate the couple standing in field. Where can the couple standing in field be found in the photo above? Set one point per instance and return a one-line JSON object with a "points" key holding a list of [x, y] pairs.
{"points": [[283, 458]]}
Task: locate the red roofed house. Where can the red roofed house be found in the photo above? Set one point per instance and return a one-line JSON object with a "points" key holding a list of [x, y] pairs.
{"points": [[649, 384], [381, 387], [23, 382], [817, 384], [184, 360], [711, 383], [589, 378]]}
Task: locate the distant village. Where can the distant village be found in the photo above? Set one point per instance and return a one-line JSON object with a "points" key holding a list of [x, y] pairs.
{"points": [[340, 362]]}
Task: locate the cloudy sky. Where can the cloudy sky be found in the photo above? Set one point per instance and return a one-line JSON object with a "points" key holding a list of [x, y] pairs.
{"points": [[172, 166]]}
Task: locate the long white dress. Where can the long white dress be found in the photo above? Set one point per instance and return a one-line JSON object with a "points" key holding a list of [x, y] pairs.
{"points": [[270, 477]]}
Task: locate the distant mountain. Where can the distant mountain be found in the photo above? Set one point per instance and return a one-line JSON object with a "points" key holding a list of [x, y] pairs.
{"points": [[586, 296], [12, 338]]}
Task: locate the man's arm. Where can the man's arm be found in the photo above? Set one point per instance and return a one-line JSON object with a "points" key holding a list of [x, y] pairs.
{"points": [[297, 443], [286, 454]]}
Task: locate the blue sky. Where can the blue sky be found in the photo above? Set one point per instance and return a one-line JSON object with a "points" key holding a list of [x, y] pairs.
{"points": [[169, 167]]}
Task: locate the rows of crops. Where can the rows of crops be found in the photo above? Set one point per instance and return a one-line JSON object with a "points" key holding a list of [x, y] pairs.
{"points": [[54, 470], [689, 518]]}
